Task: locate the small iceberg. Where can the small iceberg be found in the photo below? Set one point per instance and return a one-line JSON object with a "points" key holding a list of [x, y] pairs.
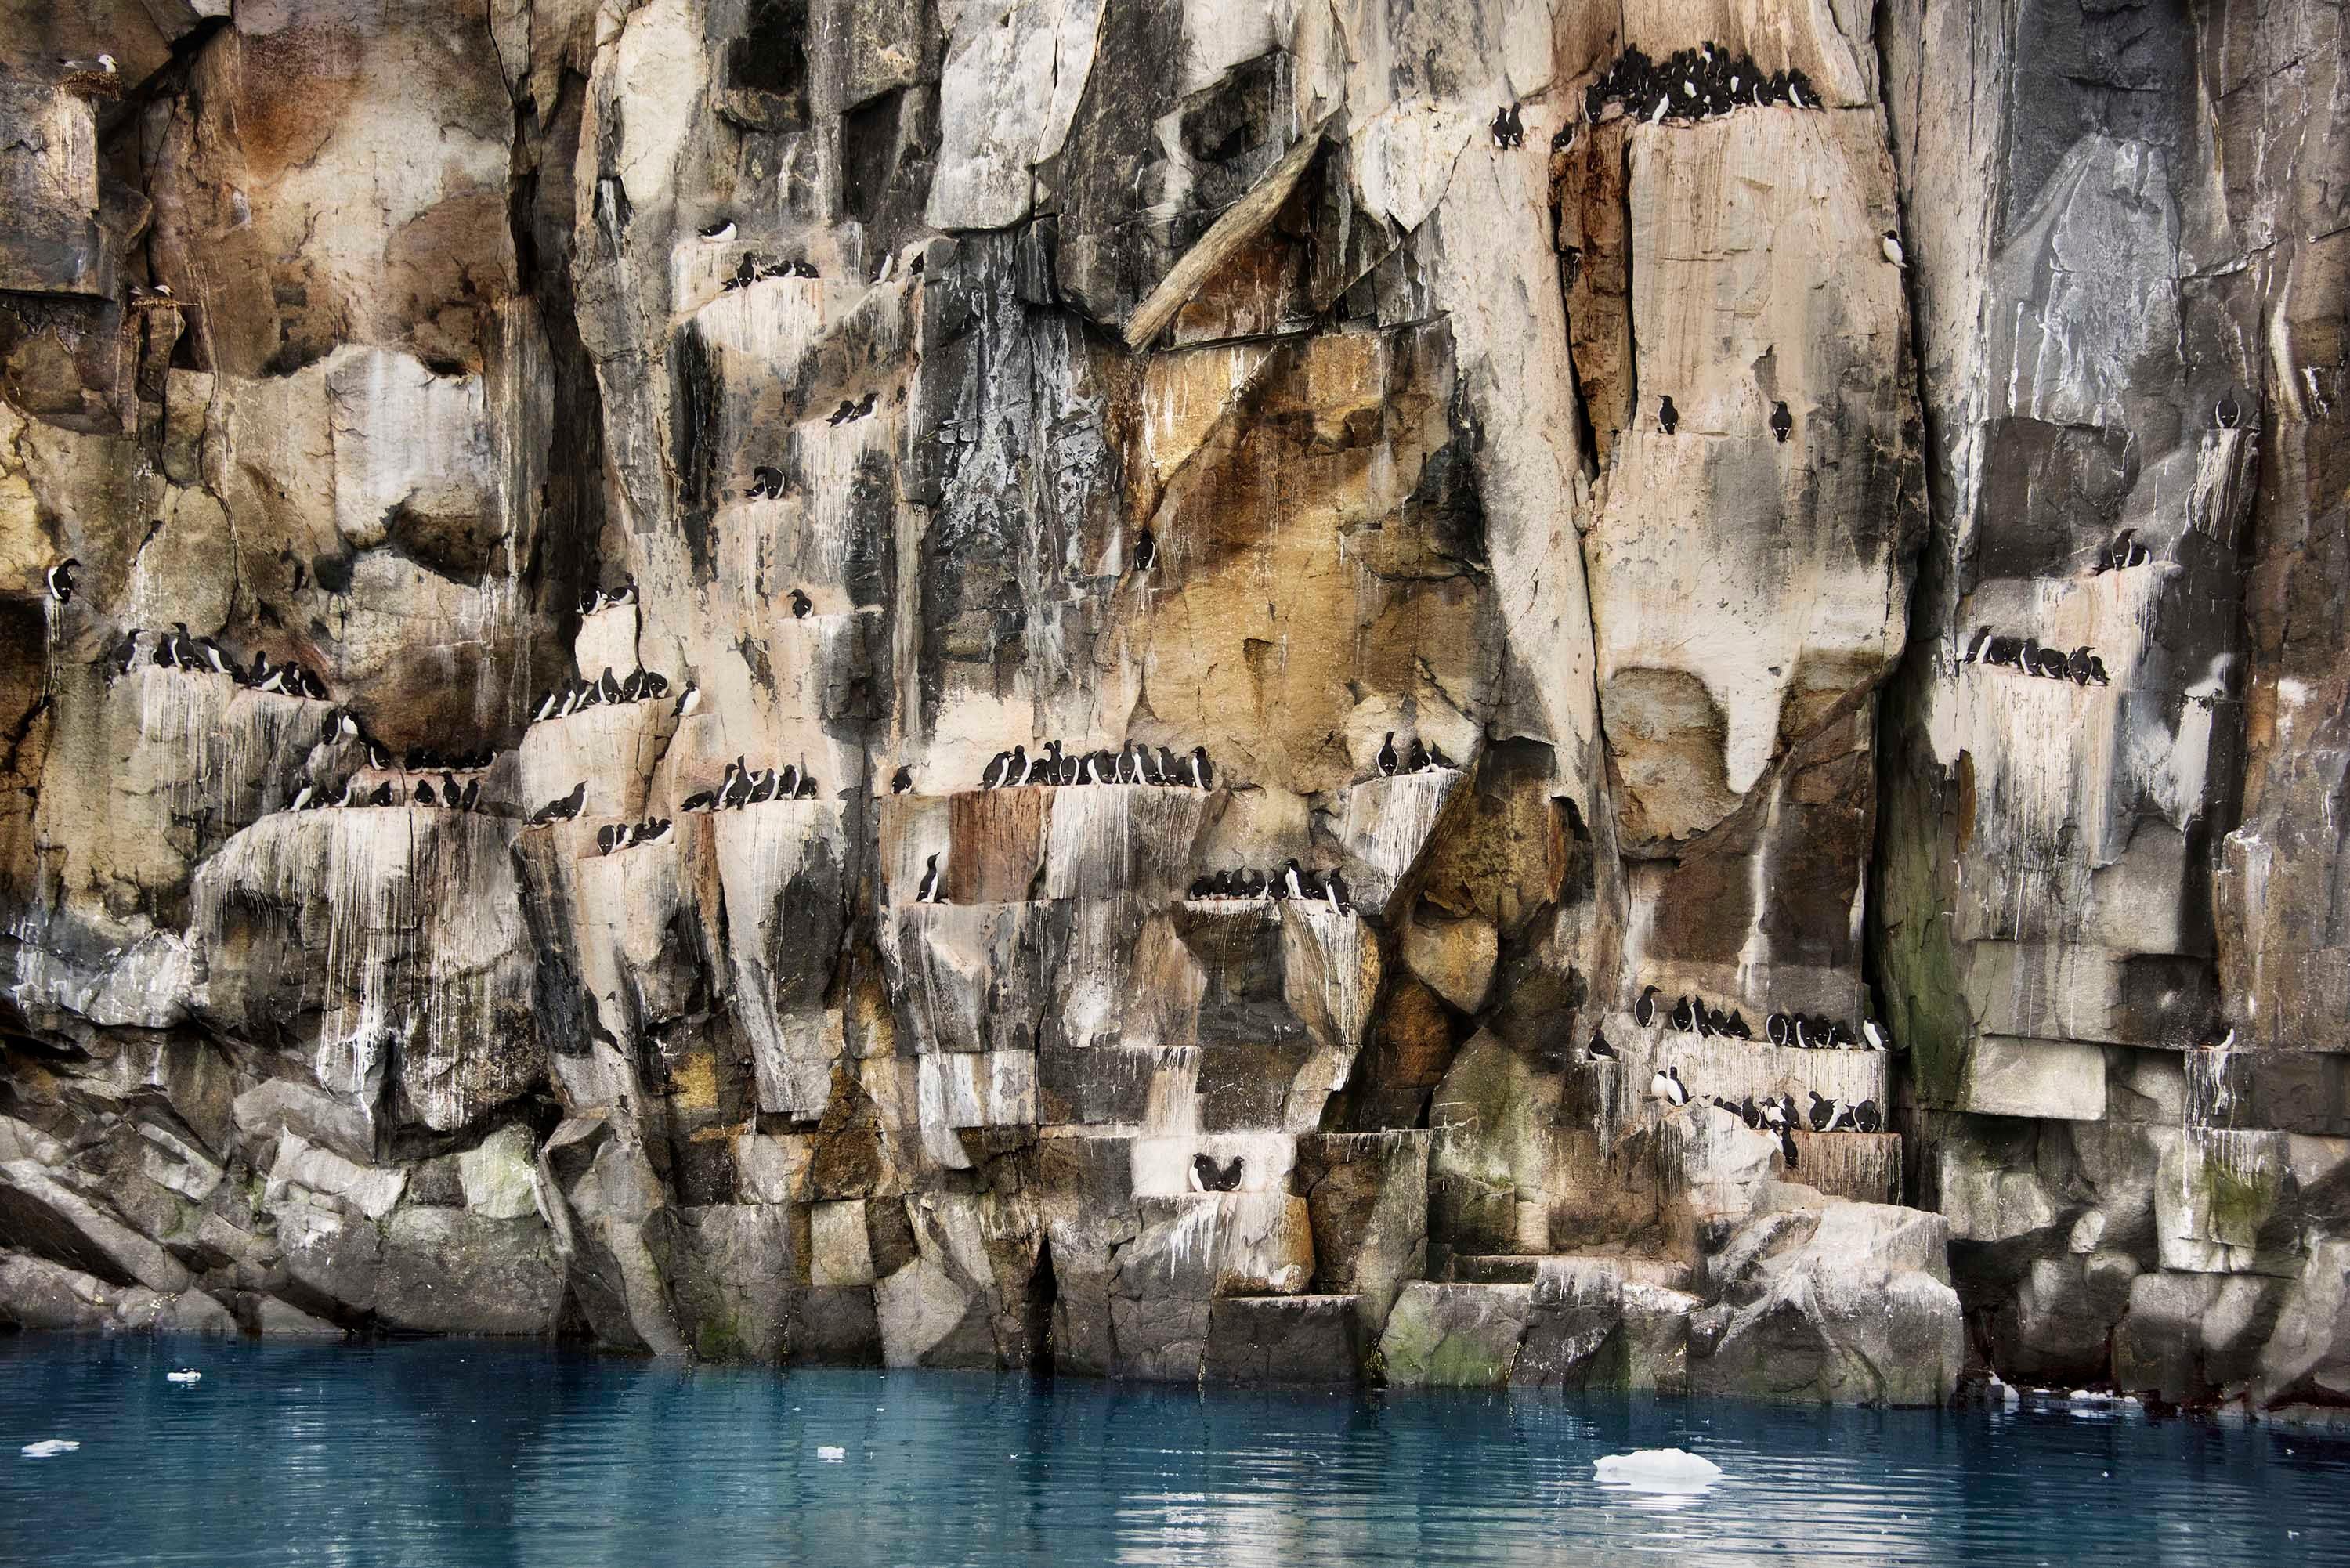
{"points": [[48, 1447], [831, 1455], [183, 1376], [1672, 1472]]}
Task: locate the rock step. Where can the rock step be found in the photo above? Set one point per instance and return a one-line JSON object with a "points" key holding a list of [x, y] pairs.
{"points": [[1529, 1268]]}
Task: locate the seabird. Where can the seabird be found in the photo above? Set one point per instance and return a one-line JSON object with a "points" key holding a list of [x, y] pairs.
{"points": [[688, 700], [1889, 242], [61, 583], [1666, 1084], [1202, 886], [846, 411], [658, 830], [2097, 672], [378, 758], [425, 795], [1644, 1011], [1146, 550], [565, 808], [607, 687], [808, 787], [719, 232], [1866, 1117], [303, 796], [126, 653], [1776, 1028], [546, 709], [1736, 1028], [766, 482], [1668, 417], [700, 799], [1782, 424], [1599, 1049], [1704, 1024], [1749, 1114], [1801, 1041], [801, 605], [927, 892], [2077, 667], [2227, 412], [736, 788], [1983, 634], [1044, 767], [382, 796], [1823, 1112], [1681, 1015], [1203, 771], [2225, 1044], [1774, 1116], [901, 780], [1437, 759], [1335, 887], [1416, 760], [1292, 880], [1207, 1176], [996, 770], [1874, 1035], [607, 837], [1148, 765], [1386, 758], [763, 788]]}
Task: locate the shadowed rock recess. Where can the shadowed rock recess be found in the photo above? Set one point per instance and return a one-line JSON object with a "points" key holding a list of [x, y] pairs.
{"points": [[1847, 506]]}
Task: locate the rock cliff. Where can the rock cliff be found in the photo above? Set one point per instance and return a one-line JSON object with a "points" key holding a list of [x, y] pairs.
{"points": [[1136, 685]]}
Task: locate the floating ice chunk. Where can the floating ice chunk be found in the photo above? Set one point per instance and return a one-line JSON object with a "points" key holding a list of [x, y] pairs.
{"points": [[48, 1447], [831, 1455], [1657, 1470], [183, 1376]]}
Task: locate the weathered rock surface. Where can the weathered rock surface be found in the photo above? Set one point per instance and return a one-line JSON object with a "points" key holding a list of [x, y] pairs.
{"points": [[904, 385]]}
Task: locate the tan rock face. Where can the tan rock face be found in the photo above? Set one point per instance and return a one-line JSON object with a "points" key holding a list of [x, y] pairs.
{"points": [[904, 387]]}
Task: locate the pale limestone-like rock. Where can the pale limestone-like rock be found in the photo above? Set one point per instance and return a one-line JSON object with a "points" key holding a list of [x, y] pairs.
{"points": [[499, 1175], [1454, 1335], [1455, 957]]}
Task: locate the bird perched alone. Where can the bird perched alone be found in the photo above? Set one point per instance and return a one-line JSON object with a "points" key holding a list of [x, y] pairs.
{"points": [[61, 583], [718, 233], [1890, 244], [932, 888], [1644, 1011], [801, 605], [1386, 757], [901, 780], [1599, 1049], [1782, 424], [1146, 550], [1669, 418]]}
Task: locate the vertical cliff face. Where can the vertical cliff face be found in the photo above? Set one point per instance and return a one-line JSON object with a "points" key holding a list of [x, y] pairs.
{"points": [[851, 392]]}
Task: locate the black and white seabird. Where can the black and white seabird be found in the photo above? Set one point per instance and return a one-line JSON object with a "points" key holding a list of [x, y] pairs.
{"points": [[1777, 1029], [808, 787], [1669, 418], [1203, 772], [700, 799], [1823, 1112], [566, 807], [1801, 1039], [1666, 1084], [719, 232], [1704, 1024], [1782, 424], [1333, 888], [1736, 1028], [763, 788], [801, 605], [657, 830], [1982, 635], [1207, 1176], [1414, 760], [1386, 758], [1870, 1033], [607, 837], [688, 700], [1146, 550], [1599, 1049], [1774, 1115], [766, 483], [61, 583], [607, 687], [303, 796], [425, 795], [1644, 1011], [1293, 880], [125, 654], [1890, 244], [1749, 1114], [736, 788], [2227, 412], [1682, 1017], [2077, 667], [928, 891], [382, 796], [998, 766], [901, 780]]}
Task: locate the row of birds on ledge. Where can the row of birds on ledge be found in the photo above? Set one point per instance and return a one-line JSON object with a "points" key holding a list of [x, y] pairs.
{"points": [[740, 786], [615, 835], [641, 686], [178, 649], [1292, 881], [351, 792], [1416, 759], [1131, 763], [2082, 666], [1777, 1115], [1691, 1016], [1692, 84]]}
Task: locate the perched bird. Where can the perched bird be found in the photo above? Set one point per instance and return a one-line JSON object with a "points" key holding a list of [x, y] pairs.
{"points": [[382, 796], [1599, 1049], [1386, 757], [766, 483], [1890, 244], [801, 605], [607, 837], [563, 809], [2227, 412], [1875, 1036], [1669, 418], [807, 788], [1333, 888], [901, 780], [763, 788], [998, 767], [655, 830], [1736, 1028], [425, 795], [1416, 759], [1982, 635], [1682, 1016], [2077, 667], [700, 799], [1823, 1112], [471, 799], [719, 232], [1203, 772], [61, 583], [1644, 1011], [125, 654], [1146, 550], [1777, 1029], [1866, 1117], [303, 796], [932, 889], [1293, 880], [847, 411], [1782, 424], [607, 687], [1703, 1022], [688, 700]]}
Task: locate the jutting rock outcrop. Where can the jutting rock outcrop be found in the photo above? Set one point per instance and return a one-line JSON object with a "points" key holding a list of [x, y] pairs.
{"points": [[1180, 690]]}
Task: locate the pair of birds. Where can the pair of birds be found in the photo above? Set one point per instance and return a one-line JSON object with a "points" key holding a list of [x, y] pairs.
{"points": [[853, 411], [1292, 881], [1131, 763], [1208, 1175], [642, 685], [2122, 553], [615, 835], [1509, 129], [1693, 84], [1782, 424], [1416, 759], [766, 483], [595, 598], [563, 809], [740, 786], [2083, 666], [351, 792]]}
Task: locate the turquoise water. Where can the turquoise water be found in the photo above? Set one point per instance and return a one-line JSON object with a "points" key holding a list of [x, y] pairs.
{"points": [[456, 1454]]}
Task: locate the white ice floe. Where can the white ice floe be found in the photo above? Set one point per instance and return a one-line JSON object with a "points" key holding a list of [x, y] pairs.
{"points": [[830, 1455], [48, 1447], [183, 1376], [1671, 1471]]}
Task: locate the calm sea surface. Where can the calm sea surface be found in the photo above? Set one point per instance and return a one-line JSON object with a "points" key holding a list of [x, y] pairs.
{"points": [[455, 1454]]}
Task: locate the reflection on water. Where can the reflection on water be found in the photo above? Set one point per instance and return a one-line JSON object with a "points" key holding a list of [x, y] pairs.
{"points": [[447, 1455]]}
